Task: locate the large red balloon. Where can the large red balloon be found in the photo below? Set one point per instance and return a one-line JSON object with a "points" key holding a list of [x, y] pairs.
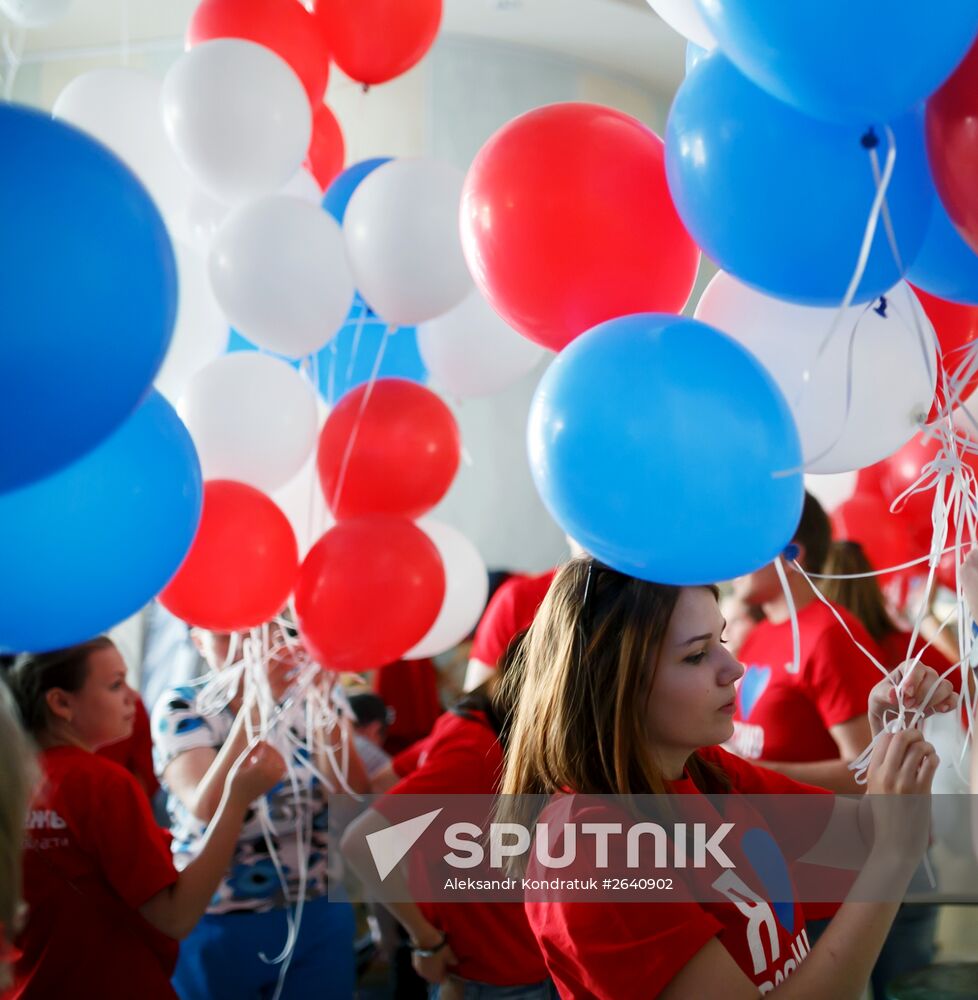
{"points": [[367, 592], [394, 452], [373, 41], [956, 326], [866, 519], [327, 149], [567, 221], [284, 26], [952, 145], [242, 565]]}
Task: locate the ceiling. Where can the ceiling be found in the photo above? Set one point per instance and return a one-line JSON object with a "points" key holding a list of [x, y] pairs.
{"points": [[622, 35]]}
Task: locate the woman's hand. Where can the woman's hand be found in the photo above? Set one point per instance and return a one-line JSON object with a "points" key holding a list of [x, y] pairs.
{"points": [[920, 684], [434, 968], [901, 770], [257, 771]]}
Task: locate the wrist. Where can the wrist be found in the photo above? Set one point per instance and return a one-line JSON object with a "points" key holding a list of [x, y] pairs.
{"points": [[427, 940]]}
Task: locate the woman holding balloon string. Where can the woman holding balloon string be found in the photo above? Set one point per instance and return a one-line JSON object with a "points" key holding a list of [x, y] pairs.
{"points": [[251, 913], [97, 868], [640, 669]]}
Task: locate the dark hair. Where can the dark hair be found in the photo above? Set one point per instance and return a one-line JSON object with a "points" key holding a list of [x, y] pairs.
{"points": [[369, 707], [493, 699], [860, 596], [34, 674], [814, 533]]}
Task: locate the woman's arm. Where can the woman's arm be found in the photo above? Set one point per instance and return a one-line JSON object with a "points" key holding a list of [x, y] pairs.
{"points": [[840, 964], [176, 909]]}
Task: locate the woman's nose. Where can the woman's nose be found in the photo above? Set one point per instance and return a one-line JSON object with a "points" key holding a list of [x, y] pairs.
{"points": [[731, 669]]}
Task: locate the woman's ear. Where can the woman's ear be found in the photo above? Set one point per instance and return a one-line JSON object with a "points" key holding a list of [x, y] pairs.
{"points": [[59, 704]]}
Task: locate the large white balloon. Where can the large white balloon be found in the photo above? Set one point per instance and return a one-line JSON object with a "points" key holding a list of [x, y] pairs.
{"points": [[892, 373], [301, 499], [121, 108], [684, 17], [466, 590], [238, 117], [201, 332], [252, 418], [471, 351], [279, 271], [401, 229], [34, 13]]}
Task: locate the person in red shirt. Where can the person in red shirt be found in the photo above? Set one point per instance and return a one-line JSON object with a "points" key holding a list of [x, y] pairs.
{"points": [[807, 721], [509, 611], [622, 685], [105, 906], [486, 948]]}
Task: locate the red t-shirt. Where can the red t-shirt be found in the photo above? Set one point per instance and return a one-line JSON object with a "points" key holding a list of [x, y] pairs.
{"points": [[135, 753], [786, 716], [92, 856], [511, 610], [492, 941], [609, 950]]}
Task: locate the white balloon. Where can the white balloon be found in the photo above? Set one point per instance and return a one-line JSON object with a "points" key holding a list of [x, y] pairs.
{"points": [[893, 375], [466, 590], [121, 108], [278, 268], [401, 229], [832, 490], [34, 13], [201, 332], [238, 117], [304, 186], [201, 219], [252, 418], [684, 17], [301, 499], [471, 351]]}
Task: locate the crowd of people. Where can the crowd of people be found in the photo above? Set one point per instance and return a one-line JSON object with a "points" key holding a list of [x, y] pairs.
{"points": [[582, 681]]}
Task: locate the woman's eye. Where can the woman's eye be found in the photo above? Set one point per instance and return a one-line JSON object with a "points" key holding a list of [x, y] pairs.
{"points": [[696, 658]]}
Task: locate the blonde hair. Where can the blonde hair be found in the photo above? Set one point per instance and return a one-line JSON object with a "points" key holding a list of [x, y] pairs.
{"points": [[581, 687]]}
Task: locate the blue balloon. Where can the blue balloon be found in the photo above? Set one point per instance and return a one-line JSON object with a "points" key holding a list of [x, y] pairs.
{"points": [[946, 266], [694, 53], [666, 450], [781, 200], [88, 294], [854, 61], [90, 545], [349, 359], [340, 191]]}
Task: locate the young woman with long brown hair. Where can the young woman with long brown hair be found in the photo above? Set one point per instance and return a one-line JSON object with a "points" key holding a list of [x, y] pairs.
{"points": [[626, 688]]}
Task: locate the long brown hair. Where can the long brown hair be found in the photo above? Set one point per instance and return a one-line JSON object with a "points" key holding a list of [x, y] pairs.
{"points": [[862, 597], [581, 689]]}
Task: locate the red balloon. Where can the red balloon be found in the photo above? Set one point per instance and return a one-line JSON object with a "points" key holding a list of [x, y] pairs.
{"points": [[368, 591], [867, 519], [567, 221], [327, 149], [284, 26], [902, 470], [242, 565], [400, 447], [956, 326], [952, 145], [373, 41]]}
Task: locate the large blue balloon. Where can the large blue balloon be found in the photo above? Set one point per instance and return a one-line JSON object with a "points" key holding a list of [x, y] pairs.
{"points": [[781, 200], [349, 359], [340, 190], [91, 544], [660, 444], [946, 266], [854, 61], [88, 294]]}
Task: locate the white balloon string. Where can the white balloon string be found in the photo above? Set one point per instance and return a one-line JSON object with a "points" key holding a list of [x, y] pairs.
{"points": [[12, 53], [357, 333], [869, 234], [351, 441], [331, 376]]}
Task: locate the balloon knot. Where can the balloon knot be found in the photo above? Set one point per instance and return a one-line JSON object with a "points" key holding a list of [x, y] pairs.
{"points": [[880, 308], [870, 140]]}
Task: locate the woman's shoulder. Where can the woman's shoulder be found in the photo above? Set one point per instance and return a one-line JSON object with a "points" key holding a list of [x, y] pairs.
{"points": [[753, 779]]}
